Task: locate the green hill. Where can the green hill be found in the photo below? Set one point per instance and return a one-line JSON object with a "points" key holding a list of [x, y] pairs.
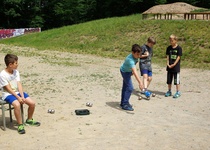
{"points": [[113, 37]]}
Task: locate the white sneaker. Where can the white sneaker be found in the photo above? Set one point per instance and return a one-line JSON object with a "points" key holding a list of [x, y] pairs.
{"points": [[143, 91]]}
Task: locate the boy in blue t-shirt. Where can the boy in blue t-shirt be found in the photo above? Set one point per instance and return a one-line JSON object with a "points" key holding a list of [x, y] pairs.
{"points": [[127, 69]]}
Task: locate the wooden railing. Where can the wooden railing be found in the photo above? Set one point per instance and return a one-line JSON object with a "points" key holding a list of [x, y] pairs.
{"points": [[171, 16], [190, 16]]}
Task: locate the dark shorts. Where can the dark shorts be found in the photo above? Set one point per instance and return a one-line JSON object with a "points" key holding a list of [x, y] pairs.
{"points": [[12, 98], [145, 71], [175, 75]]}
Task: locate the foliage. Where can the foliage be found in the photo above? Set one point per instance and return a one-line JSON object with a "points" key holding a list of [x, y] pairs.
{"points": [[49, 14], [201, 10], [113, 37]]}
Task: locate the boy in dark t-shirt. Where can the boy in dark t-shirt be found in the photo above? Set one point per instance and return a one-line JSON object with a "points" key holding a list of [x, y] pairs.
{"points": [[173, 53], [145, 64]]}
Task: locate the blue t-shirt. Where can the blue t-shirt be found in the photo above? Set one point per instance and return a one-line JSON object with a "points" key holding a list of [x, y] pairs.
{"points": [[129, 63]]}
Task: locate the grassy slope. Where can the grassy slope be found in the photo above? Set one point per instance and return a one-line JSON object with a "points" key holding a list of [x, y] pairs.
{"points": [[113, 37]]}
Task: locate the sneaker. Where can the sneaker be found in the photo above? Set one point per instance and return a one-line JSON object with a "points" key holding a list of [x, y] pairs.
{"points": [[127, 104], [127, 107], [147, 94], [168, 93], [143, 91], [21, 129], [177, 94], [32, 122]]}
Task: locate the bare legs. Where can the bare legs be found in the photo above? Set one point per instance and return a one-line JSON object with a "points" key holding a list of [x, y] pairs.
{"points": [[17, 110], [146, 80]]}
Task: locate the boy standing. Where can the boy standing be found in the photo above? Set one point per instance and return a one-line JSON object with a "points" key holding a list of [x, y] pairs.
{"points": [[173, 53], [12, 92], [145, 64], [127, 69]]}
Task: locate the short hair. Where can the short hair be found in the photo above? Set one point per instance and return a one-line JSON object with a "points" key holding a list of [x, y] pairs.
{"points": [[172, 36], [10, 58], [136, 48], [151, 40]]}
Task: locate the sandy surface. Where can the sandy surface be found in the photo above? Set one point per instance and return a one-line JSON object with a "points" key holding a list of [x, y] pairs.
{"points": [[160, 123]]}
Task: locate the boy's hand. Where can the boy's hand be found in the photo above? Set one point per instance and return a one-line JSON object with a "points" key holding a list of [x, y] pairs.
{"points": [[141, 86], [146, 53], [23, 100], [20, 100], [171, 66]]}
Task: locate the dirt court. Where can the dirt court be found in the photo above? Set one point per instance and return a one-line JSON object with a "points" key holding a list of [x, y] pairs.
{"points": [[160, 123]]}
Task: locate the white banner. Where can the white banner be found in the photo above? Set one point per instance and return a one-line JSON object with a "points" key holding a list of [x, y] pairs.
{"points": [[8, 33]]}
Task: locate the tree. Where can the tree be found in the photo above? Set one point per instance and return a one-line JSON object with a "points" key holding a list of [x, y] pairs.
{"points": [[31, 14], [49, 14], [11, 13], [86, 10]]}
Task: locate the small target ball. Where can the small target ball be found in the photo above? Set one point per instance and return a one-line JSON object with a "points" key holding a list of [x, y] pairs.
{"points": [[89, 104], [153, 94], [140, 97], [51, 111]]}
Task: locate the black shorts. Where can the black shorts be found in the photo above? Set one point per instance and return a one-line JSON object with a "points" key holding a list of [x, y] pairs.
{"points": [[175, 75]]}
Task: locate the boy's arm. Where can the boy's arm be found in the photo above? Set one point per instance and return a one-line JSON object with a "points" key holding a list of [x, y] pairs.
{"points": [[174, 64], [137, 77], [167, 61], [20, 89], [146, 54], [9, 90]]}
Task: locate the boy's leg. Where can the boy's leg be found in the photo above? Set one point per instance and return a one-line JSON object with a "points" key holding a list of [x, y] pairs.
{"points": [[17, 111], [169, 81], [144, 73], [16, 104], [169, 87], [177, 83], [178, 87], [145, 80], [31, 107], [149, 78], [127, 89]]}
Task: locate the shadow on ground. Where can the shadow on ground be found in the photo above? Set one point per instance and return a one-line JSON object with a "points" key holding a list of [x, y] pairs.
{"points": [[116, 105], [9, 125], [138, 93]]}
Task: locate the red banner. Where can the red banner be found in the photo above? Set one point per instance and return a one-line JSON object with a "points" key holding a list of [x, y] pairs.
{"points": [[8, 33]]}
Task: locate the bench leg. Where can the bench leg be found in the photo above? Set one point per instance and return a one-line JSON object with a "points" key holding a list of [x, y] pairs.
{"points": [[22, 113], [3, 116], [10, 112]]}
